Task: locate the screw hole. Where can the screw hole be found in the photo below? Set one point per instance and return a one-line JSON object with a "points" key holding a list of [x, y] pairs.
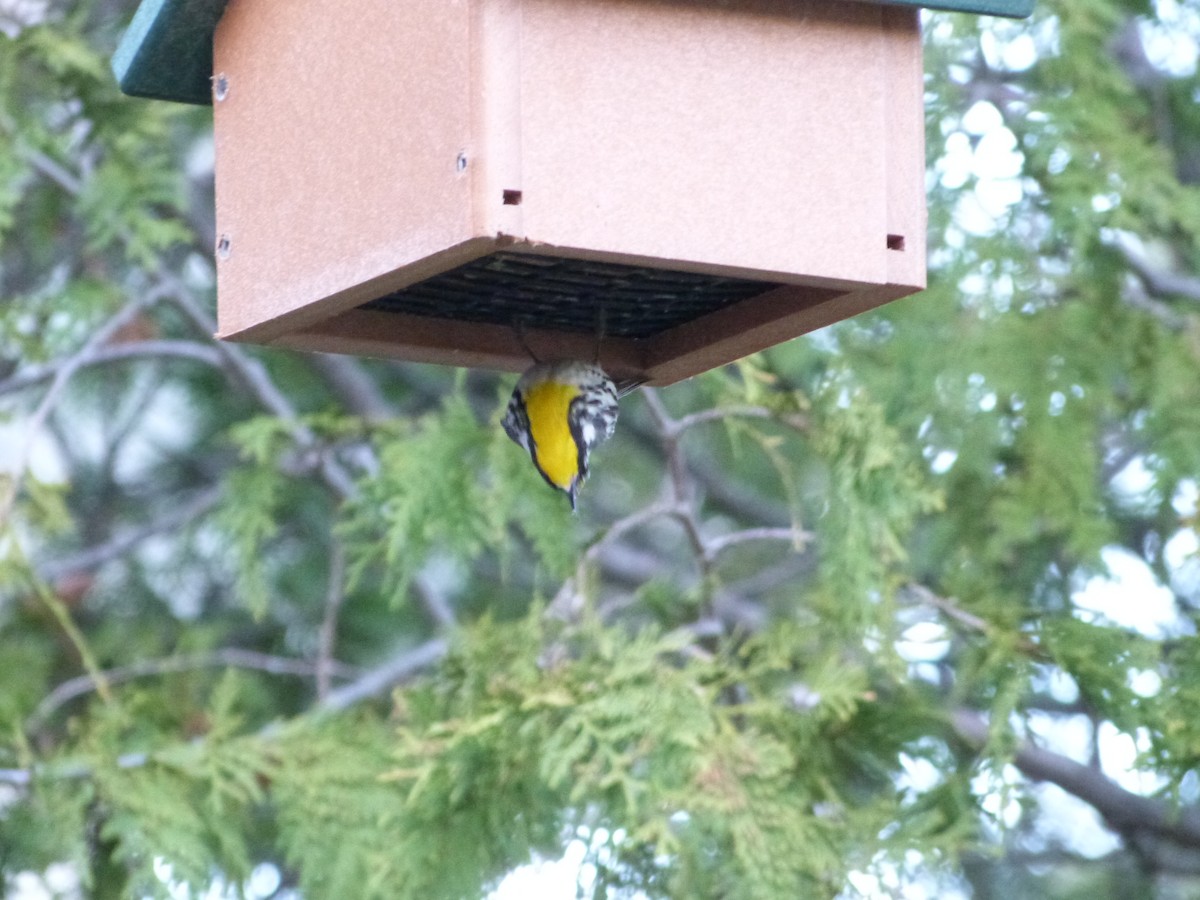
{"points": [[512, 198], [895, 242], [224, 247], [460, 164], [221, 87]]}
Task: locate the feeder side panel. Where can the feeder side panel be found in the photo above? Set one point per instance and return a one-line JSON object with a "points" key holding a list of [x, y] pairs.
{"points": [[338, 145], [749, 136], [906, 215]]}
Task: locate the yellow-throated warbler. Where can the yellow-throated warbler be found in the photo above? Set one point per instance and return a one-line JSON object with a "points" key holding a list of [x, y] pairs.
{"points": [[558, 413]]}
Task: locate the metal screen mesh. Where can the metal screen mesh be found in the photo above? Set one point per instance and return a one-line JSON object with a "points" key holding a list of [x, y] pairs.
{"points": [[546, 292]]}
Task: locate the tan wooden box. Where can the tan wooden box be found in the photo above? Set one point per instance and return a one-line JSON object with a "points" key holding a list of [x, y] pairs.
{"points": [[694, 179]]}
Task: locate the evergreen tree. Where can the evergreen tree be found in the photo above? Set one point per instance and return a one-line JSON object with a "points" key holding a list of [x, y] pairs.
{"points": [[819, 629]]}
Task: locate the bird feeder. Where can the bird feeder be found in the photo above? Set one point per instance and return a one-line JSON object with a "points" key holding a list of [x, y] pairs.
{"points": [[677, 183]]}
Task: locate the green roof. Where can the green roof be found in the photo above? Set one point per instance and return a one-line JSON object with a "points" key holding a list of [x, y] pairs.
{"points": [[166, 53], [1013, 9]]}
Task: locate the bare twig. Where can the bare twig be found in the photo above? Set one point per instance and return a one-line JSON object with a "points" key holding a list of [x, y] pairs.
{"points": [[386, 676], [732, 496], [736, 498], [1139, 818], [675, 427], [681, 504], [669, 434], [684, 514], [717, 414], [721, 413], [62, 376], [141, 350], [565, 604], [972, 622], [120, 544], [227, 657], [365, 686], [356, 389], [371, 684], [253, 375], [50, 168], [798, 539], [1159, 281], [435, 603], [246, 368], [924, 595], [327, 635]]}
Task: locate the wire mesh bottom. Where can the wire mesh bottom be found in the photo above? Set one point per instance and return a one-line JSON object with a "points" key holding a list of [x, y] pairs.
{"points": [[547, 292]]}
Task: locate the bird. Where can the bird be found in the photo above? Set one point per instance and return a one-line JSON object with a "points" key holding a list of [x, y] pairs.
{"points": [[559, 412]]}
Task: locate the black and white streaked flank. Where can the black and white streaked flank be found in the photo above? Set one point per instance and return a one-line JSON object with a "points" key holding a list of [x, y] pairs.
{"points": [[516, 420], [593, 415]]}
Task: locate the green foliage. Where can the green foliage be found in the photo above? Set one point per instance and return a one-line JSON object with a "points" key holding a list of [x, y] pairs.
{"points": [[517, 505], [878, 492], [339, 822], [254, 504], [188, 806], [45, 507], [431, 492], [637, 734], [133, 197], [260, 499], [1100, 659], [427, 493], [1176, 739], [51, 826]]}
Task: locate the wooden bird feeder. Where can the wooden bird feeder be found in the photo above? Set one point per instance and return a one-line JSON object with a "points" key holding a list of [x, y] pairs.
{"points": [[451, 180]]}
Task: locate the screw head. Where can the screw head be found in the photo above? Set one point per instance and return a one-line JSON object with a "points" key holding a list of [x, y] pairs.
{"points": [[224, 246], [220, 86]]}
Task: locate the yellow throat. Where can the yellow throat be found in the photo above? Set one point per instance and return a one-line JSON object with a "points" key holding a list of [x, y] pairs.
{"points": [[555, 453]]}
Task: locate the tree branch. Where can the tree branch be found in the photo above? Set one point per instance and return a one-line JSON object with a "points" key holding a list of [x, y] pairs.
{"points": [[253, 374], [435, 603], [229, 657], [327, 634], [386, 676], [565, 603], [354, 387], [682, 505], [51, 169], [797, 538], [1159, 281], [921, 594], [160, 349], [120, 544], [62, 375], [1132, 815], [247, 369], [668, 434]]}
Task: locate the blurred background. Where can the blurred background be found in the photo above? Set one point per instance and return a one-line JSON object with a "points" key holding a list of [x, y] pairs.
{"points": [[903, 608]]}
